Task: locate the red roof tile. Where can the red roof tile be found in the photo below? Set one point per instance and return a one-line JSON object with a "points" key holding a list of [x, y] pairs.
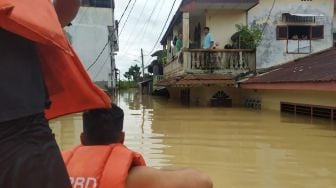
{"points": [[318, 67]]}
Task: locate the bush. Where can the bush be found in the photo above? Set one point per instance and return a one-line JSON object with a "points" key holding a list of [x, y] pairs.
{"points": [[123, 85], [251, 37]]}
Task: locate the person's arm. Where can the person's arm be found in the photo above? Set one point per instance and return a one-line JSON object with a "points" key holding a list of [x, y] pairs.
{"points": [[66, 10], [153, 178]]}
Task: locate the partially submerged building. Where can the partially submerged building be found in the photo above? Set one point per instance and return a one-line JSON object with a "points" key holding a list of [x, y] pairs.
{"points": [[292, 30]]}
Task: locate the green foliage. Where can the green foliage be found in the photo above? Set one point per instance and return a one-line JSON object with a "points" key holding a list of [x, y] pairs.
{"points": [[133, 73], [162, 58], [124, 85], [251, 37]]}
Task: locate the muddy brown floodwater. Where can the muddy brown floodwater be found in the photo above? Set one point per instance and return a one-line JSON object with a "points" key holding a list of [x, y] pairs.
{"points": [[238, 148]]}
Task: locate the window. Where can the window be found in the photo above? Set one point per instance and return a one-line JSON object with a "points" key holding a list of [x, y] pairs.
{"points": [[317, 32], [289, 18], [299, 36], [282, 33], [300, 32], [326, 112]]}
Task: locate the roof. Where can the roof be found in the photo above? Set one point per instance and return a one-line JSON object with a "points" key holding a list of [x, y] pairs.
{"points": [[318, 67], [157, 53], [196, 79]]}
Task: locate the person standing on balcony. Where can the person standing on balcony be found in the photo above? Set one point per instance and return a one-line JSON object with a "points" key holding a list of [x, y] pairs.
{"points": [[208, 41], [179, 43]]}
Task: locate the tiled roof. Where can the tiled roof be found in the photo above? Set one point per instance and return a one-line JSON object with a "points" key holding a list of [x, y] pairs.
{"points": [[318, 67]]}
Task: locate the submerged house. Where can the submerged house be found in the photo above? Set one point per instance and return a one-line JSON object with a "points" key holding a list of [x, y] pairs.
{"points": [[195, 75], [306, 86], [291, 30], [155, 73]]}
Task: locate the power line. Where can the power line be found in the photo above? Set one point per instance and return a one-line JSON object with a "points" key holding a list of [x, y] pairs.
{"points": [[101, 68], [144, 28], [171, 10], [144, 33], [122, 29], [100, 53], [136, 25], [125, 10], [108, 41], [268, 17]]}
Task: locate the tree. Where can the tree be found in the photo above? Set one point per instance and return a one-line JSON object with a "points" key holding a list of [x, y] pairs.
{"points": [[128, 76], [133, 73]]}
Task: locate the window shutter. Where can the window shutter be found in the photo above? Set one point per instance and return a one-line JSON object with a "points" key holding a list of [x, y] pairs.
{"points": [[317, 32], [282, 33]]}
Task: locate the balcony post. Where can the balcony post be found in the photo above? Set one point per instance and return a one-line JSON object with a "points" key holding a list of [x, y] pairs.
{"points": [[185, 22], [186, 29], [169, 54]]}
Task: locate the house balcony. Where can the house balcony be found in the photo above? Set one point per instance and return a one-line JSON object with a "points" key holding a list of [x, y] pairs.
{"points": [[217, 61]]}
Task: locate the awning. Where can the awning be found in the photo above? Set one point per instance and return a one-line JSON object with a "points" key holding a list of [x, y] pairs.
{"points": [[305, 15]]}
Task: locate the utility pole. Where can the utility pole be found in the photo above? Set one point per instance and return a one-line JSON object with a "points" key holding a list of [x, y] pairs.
{"points": [[142, 65], [112, 33]]}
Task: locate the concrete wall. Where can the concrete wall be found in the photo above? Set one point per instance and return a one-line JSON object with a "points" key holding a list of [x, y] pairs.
{"points": [[222, 24], [273, 52], [334, 22], [89, 34], [202, 95], [271, 98]]}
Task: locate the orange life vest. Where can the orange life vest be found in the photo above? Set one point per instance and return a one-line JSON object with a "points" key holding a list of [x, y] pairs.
{"points": [[69, 86], [100, 166]]}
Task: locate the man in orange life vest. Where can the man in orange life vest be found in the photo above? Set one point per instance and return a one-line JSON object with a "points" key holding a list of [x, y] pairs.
{"points": [[102, 161], [39, 74]]}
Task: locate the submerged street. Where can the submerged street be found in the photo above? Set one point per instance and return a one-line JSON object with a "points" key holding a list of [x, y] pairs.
{"points": [[237, 147]]}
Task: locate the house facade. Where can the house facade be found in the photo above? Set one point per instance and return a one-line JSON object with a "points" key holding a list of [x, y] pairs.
{"points": [[91, 30], [200, 76], [292, 29], [306, 86]]}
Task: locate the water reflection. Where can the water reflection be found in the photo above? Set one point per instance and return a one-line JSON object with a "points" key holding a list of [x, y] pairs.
{"points": [[237, 147]]}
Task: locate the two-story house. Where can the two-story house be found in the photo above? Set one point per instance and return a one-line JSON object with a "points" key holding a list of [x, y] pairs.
{"points": [[196, 75], [292, 29]]}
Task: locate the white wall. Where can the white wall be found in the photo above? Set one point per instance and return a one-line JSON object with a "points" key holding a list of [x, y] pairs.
{"points": [[89, 34], [273, 52], [222, 24]]}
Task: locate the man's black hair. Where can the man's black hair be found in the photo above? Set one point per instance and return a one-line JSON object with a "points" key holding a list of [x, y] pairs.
{"points": [[103, 126], [207, 28]]}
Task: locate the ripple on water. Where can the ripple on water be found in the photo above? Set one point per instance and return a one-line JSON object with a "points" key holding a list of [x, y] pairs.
{"points": [[237, 147]]}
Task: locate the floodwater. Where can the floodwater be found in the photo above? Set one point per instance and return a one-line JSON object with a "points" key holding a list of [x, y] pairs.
{"points": [[238, 148]]}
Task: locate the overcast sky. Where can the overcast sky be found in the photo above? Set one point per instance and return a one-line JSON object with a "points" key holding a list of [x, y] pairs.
{"points": [[141, 30]]}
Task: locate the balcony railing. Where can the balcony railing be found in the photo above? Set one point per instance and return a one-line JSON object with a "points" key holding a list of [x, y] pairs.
{"points": [[219, 61]]}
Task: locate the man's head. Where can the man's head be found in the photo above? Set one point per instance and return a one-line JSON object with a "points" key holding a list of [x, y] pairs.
{"points": [[206, 30], [180, 35], [103, 126]]}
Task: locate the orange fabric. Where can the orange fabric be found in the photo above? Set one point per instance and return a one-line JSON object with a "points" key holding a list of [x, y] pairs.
{"points": [[100, 166], [70, 88]]}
